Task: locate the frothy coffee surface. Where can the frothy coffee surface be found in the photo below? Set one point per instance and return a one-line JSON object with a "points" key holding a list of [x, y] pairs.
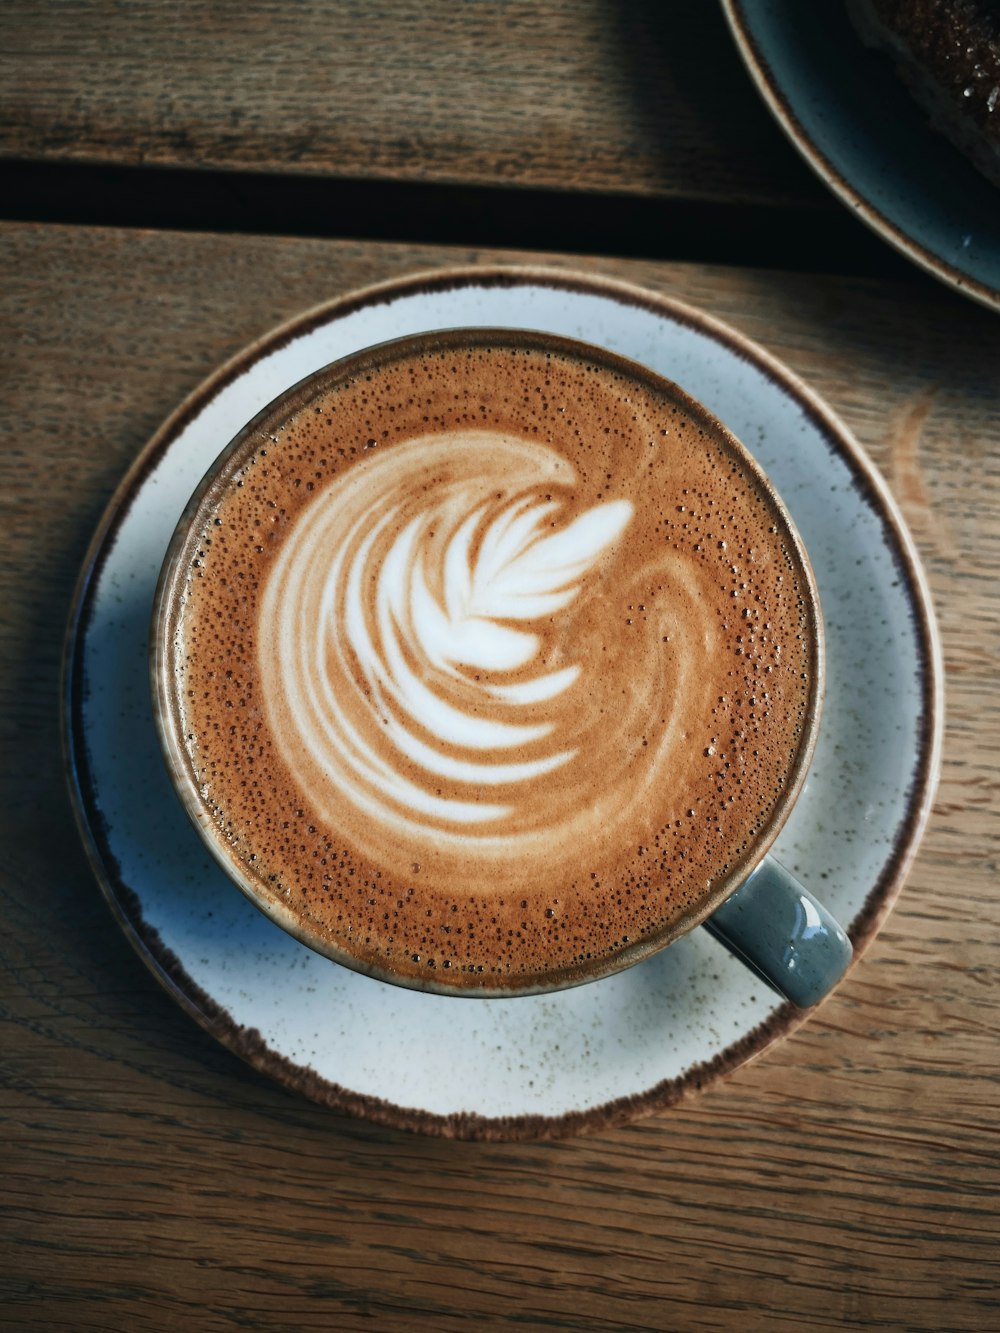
{"points": [[491, 661]]}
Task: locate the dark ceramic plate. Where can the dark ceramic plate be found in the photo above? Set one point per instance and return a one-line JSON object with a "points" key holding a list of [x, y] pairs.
{"points": [[853, 121]]}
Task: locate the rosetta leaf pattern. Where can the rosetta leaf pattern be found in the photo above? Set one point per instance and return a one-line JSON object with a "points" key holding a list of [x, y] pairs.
{"points": [[519, 571]]}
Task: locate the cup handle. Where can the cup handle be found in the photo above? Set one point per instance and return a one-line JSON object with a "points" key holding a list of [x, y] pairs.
{"points": [[779, 930]]}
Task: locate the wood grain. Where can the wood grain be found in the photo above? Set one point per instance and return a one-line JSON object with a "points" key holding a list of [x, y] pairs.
{"points": [[150, 1181], [644, 98]]}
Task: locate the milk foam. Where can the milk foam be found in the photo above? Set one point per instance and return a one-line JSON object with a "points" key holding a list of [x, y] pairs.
{"points": [[407, 648]]}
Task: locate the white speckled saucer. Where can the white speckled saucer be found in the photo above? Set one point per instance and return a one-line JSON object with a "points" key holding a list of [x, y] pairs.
{"points": [[851, 118], [541, 1065]]}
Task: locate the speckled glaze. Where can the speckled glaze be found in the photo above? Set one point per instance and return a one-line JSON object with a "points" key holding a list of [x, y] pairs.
{"points": [[854, 122], [539, 1065]]}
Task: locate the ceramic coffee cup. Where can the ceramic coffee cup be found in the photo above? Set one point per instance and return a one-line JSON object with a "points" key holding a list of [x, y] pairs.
{"points": [[488, 662]]}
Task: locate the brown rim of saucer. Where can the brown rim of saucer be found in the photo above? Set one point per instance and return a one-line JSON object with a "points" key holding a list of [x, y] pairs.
{"points": [[248, 1043], [168, 601]]}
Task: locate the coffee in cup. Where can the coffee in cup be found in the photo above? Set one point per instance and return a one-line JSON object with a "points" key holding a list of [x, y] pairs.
{"points": [[487, 662]]}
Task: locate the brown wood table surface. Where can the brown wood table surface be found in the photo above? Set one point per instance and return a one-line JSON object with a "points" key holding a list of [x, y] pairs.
{"points": [[847, 1178], [643, 98], [561, 126], [148, 1178]]}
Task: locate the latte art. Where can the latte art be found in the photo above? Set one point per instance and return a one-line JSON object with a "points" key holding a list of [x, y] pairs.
{"points": [[488, 661], [409, 629]]}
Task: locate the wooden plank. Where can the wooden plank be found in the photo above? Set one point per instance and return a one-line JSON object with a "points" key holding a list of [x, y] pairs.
{"points": [[644, 99], [847, 1179]]}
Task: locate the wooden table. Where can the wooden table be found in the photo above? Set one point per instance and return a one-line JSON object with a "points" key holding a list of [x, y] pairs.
{"points": [[149, 1179]]}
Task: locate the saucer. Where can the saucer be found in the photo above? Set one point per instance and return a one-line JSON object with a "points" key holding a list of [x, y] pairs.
{"points": [[849, 115], [535, 1066]]}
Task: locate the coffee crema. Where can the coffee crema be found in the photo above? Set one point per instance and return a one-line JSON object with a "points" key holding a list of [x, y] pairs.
{"points": [[490, 659]]}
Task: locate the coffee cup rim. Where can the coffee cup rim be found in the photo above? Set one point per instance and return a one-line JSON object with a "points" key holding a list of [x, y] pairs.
{"points": [[166, 615]]}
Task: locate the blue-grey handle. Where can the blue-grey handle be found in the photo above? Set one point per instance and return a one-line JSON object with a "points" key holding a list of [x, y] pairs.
{"points": [[783, 934]]}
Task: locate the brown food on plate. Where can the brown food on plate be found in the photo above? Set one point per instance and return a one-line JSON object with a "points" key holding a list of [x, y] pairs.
{"points": [[948, 53]]}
